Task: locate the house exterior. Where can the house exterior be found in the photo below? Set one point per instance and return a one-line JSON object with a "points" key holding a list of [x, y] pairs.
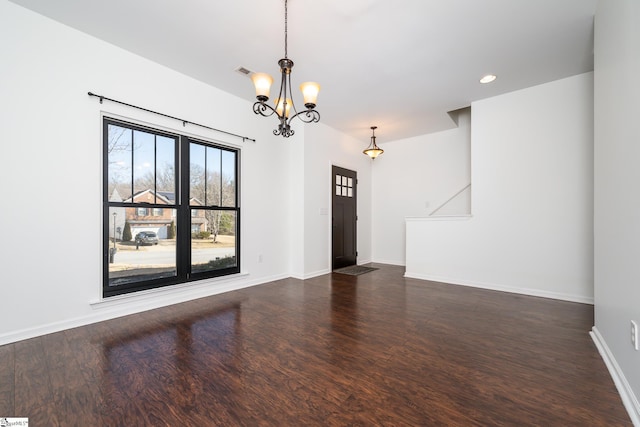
{"points": [[158, 219]]}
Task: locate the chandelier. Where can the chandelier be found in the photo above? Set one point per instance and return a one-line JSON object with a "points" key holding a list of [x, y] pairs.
{"points": [[284, 103], [373, 150]]}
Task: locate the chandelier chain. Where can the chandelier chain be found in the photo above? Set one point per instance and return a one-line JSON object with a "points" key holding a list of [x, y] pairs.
{"points": [[285, 29]]}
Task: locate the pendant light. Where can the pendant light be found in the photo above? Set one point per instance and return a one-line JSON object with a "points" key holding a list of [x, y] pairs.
{"points": [[373, 150]]}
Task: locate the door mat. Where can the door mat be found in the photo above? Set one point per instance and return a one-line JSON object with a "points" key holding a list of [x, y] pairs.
{"points": [[354, 270]]}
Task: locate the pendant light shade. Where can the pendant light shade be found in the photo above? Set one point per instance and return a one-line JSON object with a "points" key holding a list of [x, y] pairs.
{"points": [[373, 150]]}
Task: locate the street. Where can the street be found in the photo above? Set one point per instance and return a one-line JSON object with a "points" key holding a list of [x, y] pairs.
{"points": [[161, 255]]}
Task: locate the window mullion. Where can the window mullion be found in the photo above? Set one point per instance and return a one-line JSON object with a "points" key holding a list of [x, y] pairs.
{"points": [[155, 168], [183, 238], [132, 164]]}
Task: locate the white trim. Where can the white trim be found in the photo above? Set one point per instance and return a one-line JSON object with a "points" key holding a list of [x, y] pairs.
{"points": [[311, 275], [136, 303], [155, 294], [629, 399], [465, 217], [390, 262], [494, 287]]}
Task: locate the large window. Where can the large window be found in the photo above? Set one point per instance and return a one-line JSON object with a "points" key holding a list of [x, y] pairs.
{"points": [[171, 212]]}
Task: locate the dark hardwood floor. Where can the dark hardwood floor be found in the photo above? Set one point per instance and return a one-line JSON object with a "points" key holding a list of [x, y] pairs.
{"points": [[336, 350]]}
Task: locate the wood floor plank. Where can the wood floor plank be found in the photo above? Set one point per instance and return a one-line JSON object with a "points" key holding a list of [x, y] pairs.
{"points": [[32, 385], [335, 350], [7, 380]]}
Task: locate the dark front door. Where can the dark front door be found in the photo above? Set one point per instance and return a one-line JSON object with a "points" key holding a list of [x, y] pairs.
{"points": [[344, 218]]}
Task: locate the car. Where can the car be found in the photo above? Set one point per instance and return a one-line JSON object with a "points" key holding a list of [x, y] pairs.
{"points": [[146, 238]]}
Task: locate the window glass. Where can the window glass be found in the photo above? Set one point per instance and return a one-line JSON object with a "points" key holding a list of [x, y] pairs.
{"points": [[143, 163], [215, 248], [228, 190], [141, 252], [213, 176], [165, 165], [197, 173], [118, 141]]}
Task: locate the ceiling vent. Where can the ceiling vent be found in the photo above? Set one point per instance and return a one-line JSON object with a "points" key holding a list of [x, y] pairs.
{"points": [[243, 71]]}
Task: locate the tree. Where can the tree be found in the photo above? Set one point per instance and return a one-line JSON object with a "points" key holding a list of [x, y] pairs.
{"points": [[126, 233], [213, 189], [162, 178], [171, 234], [213, 220]]}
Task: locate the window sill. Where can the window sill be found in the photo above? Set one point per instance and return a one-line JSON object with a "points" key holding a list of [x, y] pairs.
{"points": [[156, 293]]}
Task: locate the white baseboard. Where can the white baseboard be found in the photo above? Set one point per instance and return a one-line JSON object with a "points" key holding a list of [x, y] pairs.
{"points": [[502, 288], [315, 274], [390, 262], [125, 305], [629, 399]]}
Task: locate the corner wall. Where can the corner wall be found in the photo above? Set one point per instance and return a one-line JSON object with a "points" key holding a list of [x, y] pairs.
{"points": [[531, 231], [414, 177], [616, 204]]}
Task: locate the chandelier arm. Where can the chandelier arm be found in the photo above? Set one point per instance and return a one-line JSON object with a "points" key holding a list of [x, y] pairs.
{"points": [[262, 108], [307, 116], [285, 131], [293, 105], [282, 95]]}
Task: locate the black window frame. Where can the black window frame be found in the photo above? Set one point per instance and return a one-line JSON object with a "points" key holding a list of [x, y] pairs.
{"points": [[181, 205]]}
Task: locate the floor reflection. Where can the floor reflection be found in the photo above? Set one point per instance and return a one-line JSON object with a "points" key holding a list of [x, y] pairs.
{"points": [[155, 362]]}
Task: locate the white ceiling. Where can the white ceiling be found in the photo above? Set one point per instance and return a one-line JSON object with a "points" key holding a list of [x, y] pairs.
{"points": [[400, 65]]}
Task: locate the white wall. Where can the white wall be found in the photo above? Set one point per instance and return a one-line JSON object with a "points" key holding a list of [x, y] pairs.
{"points": [[296, 222], [324, 147], [617, 205], [532, 172], [413, 177], [52, 178]]}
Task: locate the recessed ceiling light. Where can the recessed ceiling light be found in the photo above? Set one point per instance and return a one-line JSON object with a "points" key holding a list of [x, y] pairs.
{"points": [[488, 78]]}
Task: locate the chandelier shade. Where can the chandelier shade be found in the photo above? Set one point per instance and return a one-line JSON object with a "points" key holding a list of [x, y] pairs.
{"points": [[262, 83], [284, 102], [373, 150], [283, 105], [310, 92]]}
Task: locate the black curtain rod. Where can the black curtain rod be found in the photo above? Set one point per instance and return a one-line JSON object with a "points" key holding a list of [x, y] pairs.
{"points": [[184, 122]]}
